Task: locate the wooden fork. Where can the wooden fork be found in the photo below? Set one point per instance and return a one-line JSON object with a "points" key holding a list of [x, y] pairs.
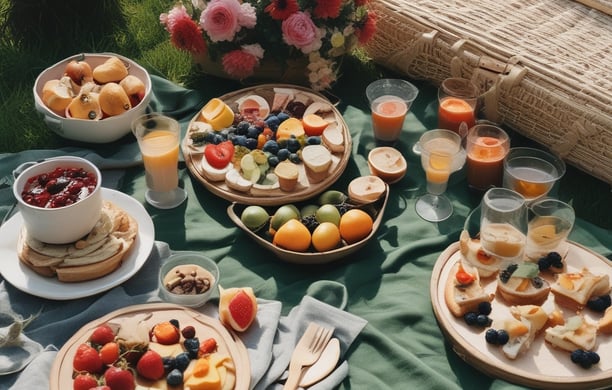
{"points": [[307, 352]]}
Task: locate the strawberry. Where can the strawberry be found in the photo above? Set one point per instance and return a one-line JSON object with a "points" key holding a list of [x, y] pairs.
{"points": [[151, 365], [109, 353], [207, 346], [166, 333], [218, 156], [102, 334], [84, 382], [87, 359], [119, 379]]}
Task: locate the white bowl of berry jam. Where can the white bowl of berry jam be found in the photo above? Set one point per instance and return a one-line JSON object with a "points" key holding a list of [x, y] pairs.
{"points": [[60, 199]]}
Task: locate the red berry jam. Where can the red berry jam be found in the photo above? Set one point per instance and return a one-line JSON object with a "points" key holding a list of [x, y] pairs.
{"points": [[59, 188]]}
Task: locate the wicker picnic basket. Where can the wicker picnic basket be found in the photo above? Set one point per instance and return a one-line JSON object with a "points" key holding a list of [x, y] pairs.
{"points": [[543, 66]]}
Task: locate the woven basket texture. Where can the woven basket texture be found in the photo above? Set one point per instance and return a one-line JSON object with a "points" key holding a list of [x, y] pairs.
{"points": [[543, 66]]}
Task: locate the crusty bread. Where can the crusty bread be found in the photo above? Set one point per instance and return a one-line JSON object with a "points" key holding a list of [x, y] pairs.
{"points": [[97, 254], [573, 290], [519, 290], [576, 333], [462, 298]]}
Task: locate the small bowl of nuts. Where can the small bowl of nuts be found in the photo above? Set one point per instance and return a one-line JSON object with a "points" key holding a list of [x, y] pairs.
{"points": [[188, 279]]}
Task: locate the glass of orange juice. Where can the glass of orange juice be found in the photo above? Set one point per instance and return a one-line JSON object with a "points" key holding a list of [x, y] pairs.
{"points": [[158, 139], [531, 172], [390, 101], [441, 155], [457, 100]]}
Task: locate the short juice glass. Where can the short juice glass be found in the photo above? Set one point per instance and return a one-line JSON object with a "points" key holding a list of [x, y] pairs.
{"points": [[486, 147], [550, 222], [457, 100], [158, 140]]}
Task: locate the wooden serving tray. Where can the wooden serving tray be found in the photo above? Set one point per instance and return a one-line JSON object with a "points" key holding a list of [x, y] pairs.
{"points": [[193, 155], [541, 366], [227, 342]]}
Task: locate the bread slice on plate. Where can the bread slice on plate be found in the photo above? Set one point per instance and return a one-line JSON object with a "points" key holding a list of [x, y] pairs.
{"points": [[574, 289], [520, 284], [463, 291], [471, 250], [526, 323], [576, 333]]}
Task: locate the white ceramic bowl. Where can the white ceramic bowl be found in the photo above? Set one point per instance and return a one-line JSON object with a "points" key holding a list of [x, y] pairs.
{"points": [[96, 131], [186, 258], [62, 224]]}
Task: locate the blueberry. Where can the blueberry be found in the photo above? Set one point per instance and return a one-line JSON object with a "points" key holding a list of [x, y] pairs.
{"points": [[282, 116], [192, 345], [273, 161], [293, 145], [491, 336], [218, 138], [555, 259], [483, 320], [175, 322], [182, 360], [271, 146], [313, 140], [599, 304], [283, 154], [543, 263], [502, 337], [295, 158], [592, 356], [242, 127], [484, 308], [240, 140], [272, 122], [537, 282], [253, 132], [169, 363], [470, 318], [576, 355], [251, 143], [175, 378]]}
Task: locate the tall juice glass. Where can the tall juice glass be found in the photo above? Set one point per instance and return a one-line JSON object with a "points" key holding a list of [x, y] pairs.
{"points": [[390, 101], [457, 99], [158, 140], [486, 147]]}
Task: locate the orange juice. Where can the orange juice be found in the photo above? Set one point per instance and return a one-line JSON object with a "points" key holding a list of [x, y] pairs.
{"points": [[388, 113], [160, 152], [453, 111], [485, 162], [437, 160]]}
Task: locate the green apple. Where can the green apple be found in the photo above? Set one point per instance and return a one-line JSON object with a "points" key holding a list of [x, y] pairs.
{"points": [[328, 213]]}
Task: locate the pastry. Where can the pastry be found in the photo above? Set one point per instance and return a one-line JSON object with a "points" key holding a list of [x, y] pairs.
{"points": [[526, 322], [463, 291], [519, 284], [574, 289], [576, 333], [317, 160], [97, 254], [288, 174], [471, 250]]}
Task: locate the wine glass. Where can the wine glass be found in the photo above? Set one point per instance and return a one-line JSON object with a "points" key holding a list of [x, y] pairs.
{"points": [[503, 224], [441, 155]]}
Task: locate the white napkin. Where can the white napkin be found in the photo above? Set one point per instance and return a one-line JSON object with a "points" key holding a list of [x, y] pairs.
{"points": [[291, 328]]}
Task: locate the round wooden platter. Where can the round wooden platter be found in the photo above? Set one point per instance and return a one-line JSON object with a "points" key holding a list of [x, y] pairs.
{"points": [[270, 197], [541, 366], [153, 313], [376, 209]]}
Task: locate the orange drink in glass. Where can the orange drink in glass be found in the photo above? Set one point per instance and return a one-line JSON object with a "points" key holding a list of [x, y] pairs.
{"points": [[457, 99], [158, 140], [486, 147]]}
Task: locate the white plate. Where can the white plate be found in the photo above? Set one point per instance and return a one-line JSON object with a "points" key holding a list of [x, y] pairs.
{"points": [[541, 366], [29, 281]]}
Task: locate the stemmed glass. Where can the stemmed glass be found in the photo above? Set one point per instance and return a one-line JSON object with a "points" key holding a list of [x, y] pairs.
{"points": [[441, 155]]}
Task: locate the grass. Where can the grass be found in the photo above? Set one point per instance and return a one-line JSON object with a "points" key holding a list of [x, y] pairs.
{"points": [[36, 33]]}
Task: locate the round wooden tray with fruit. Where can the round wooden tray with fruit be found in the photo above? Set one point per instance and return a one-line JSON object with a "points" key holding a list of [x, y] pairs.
{"points": [[155, 345], [267, 145]]}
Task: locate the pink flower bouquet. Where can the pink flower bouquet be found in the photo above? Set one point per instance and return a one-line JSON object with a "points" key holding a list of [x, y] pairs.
{"points": [[241, 35]]}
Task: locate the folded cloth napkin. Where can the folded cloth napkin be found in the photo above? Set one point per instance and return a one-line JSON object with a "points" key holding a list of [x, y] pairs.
{"points": [[291, 328], [16, 349]]}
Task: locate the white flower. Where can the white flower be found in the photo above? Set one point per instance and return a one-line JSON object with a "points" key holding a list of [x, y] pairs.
{"points": [[255, 50]]}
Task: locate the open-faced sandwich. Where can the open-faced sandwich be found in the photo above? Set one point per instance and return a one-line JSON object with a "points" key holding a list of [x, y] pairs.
{"points": [[526, 323], [574, 289], [463, 291], [520, 284], [99, 253], [472, 252], [576, 333]]}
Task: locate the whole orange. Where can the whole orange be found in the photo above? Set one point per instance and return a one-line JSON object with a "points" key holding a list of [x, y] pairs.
{"points": [[326, 237], [293, 235], [355, 225]]}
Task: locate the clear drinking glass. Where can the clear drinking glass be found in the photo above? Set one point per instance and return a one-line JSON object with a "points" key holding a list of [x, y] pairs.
{"points": [[441, 155], [550, 222], [390, 101], [158, 139], [486, 146], [457, 99], [503, 224]]}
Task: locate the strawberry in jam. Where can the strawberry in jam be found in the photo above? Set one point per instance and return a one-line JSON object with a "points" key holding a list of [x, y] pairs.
{"points": [[59, 188]]}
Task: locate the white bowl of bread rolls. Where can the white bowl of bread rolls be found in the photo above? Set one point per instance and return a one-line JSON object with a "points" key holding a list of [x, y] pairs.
{"points": [[65, 205]]}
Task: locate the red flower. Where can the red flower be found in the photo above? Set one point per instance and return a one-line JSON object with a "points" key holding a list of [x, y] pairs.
{"points": [[282, 9], [185, 34], [240, 63], [359, 3], [367, 30], [327, 9]]}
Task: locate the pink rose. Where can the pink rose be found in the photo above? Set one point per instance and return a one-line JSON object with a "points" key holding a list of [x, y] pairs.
{"points": [[220, 19], [300, 31], [242, 63]]}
